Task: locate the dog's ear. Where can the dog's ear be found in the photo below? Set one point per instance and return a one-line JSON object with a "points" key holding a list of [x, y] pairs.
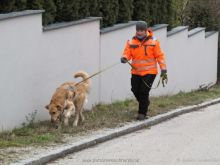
{"points": [[47, 107]]}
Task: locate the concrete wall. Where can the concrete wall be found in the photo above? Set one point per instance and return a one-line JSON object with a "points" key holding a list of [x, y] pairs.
{"points": [[34, 60], [189, 59], [65, 51], [19, 44], [115, 83]]}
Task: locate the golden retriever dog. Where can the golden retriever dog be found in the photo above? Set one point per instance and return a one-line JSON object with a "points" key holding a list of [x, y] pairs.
{"points": [[69, 99]]}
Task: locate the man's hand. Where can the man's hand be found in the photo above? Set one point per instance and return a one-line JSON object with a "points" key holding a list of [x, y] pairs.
{"points": [[164, 77], [124, 60]]}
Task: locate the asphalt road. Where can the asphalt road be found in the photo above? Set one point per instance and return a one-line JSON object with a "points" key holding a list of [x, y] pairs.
{"points": [[190, 139]]}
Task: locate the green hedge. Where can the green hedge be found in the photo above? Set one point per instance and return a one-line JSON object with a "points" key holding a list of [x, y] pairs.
{"points": [[112, 11]]}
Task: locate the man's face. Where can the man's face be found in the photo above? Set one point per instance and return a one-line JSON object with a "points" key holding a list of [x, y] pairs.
{"points": [[141, 32]]}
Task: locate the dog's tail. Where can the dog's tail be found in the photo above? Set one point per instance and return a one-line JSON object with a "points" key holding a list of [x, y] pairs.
{"points": [[84, 76]]}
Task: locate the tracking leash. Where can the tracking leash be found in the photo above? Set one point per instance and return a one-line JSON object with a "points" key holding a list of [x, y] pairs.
{"points": [[145, 82], [107, 68], [153, 87], [113, 65]]}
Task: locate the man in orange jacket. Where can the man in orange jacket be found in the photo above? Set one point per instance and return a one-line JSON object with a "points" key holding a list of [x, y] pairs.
{"points": [[145, 53]]}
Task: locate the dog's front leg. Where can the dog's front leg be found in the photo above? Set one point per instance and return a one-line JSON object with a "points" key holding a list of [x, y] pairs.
{"points": [[66, 121], [68, 113], [81, 115], [76, 119]]}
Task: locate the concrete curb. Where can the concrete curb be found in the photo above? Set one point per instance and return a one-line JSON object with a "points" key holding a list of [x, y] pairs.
{"points": [[55, 154]]}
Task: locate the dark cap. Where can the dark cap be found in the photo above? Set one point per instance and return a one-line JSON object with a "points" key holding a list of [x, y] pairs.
{"points": [[141, 25]]}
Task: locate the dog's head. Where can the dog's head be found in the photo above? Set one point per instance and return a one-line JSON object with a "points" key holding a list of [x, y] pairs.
{"points": [[55, 112]]}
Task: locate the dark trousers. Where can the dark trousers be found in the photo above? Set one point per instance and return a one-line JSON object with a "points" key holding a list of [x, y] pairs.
{"points": [[141, 90]]}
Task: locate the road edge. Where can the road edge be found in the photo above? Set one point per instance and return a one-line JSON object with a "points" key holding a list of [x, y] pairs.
{"points": [[117, 132]]}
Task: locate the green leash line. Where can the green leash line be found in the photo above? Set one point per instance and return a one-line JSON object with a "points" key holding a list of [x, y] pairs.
{"points": [[145, 82]]}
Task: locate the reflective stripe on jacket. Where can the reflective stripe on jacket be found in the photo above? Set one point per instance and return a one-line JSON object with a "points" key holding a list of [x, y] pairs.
{"points": [[145, 55]]}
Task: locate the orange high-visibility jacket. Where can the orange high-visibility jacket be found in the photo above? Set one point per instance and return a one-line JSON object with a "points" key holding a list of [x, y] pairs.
{"points": [[145, 55]]}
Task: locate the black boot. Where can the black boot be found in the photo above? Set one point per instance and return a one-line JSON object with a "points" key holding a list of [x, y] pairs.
{"points": [[141, 116]]}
